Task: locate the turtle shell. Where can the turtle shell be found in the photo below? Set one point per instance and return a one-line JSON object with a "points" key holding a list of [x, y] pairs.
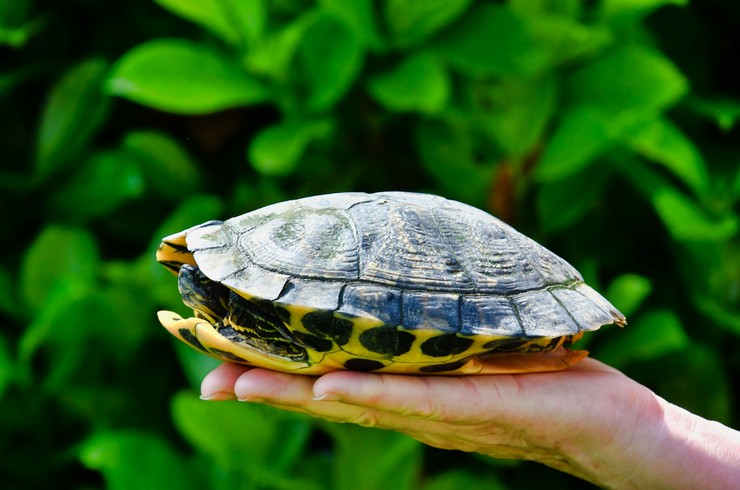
{"points": [[393, 282]]}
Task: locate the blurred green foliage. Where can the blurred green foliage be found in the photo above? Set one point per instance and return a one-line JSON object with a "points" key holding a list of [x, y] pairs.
{"points": [[605, 129]]}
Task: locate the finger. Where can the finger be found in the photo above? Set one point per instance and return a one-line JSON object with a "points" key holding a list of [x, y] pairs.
{"points": [[591, 364], [464, 398], [263, 384], [289, 391], [219, 383], [431, 398], [295, 393]]}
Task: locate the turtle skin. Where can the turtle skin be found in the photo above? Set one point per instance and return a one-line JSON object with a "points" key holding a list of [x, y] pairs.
{"points": [[388, 282]]}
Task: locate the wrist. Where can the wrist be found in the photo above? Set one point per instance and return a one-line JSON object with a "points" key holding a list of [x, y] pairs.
{"points": [[661, 446]]}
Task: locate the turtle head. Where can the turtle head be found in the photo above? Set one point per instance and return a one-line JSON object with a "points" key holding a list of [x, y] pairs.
{"points": [[208, 299]]}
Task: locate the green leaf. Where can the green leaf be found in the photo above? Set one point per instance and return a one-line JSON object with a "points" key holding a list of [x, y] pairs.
{"points": [[582, 135], [230, 433], [8, 294], [387, 460], [238, 22], [564, 202], [192, 211], [515, 112], [491, 40], [62, 331], [693, 378], [359, 15], [194, 364], [628, 291], [17, 26], [663, 142], [132, 460], [104, 182], [719, 313], [183, 77], [14, 12], [330, 57], [630, 79], [166, 165], [539, 8], [651, 336], [75, 110], [126, 307], [7, 366], [562, 39], [685, 220], [241, 435], [632, 10], [291, 439], [724, 112], [459, 479], [84, 326], [418, 84], [277, 150], [57, 255], [11, 79], [411, 22], [453, 155], [272, 54], [65, 297]]}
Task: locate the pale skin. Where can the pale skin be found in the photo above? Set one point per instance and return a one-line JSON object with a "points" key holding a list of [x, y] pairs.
{"points": [[591, 420]]}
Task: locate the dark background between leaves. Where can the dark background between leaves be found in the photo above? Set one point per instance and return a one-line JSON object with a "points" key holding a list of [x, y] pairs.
{"points": [[604, 129]]}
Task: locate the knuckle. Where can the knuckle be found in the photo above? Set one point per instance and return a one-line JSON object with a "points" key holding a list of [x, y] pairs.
{"points": [[423, 409], [426, 407], [366, 418]]}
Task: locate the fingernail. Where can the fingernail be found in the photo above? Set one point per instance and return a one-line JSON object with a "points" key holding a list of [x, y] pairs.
{"points": [[326, 397], [217, 396], [251, 398]]}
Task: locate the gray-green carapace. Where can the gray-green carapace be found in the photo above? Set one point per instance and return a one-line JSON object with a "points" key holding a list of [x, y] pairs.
{"points": [[390, 282]]}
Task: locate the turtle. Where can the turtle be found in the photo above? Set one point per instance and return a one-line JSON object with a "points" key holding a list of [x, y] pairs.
{"points": [[390, 282]]}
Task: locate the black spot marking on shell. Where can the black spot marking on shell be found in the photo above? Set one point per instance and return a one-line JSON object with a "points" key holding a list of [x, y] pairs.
{"points": [[505, 345], [387, 340], [176, 247], [440, 368], [543, 348], [314, 342], [363, 365], [228, 355], [191, 339], [555, 342], [325, 324], [171, 265], [445, 345], [283, 313]]}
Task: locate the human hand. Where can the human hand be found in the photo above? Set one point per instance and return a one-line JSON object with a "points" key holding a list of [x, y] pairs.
{"points": [[591, 420]]}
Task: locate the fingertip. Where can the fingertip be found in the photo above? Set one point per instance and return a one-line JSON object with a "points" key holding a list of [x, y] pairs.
{"points": [[264, 385], [218, 396], [326, 397], [219, 383], [339, 385], [248, 386]]}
